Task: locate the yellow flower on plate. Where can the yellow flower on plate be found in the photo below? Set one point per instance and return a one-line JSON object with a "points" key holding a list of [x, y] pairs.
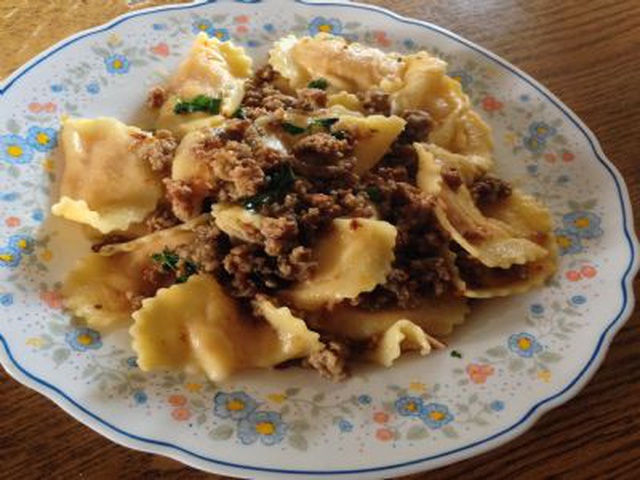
{"points": [[46, 255], [544, 375], [417, 387], [35, 342], [277, 397], [193, 387]]}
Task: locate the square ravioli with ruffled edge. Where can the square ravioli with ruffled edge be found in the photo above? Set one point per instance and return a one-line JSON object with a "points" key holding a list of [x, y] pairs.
{"points": [[334, 205]]}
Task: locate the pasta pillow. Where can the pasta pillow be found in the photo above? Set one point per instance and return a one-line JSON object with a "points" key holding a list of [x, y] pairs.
{"points": [[212, 68], [105, 183], [196, 327], [119, 268], [354, 257]]}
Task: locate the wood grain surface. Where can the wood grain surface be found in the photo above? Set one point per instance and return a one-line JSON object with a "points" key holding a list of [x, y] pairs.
{"points": [[587, 53]]}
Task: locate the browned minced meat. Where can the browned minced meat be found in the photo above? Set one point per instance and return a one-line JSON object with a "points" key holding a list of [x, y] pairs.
{"points": [[312, 98], [161, 219], [418, 126], [280, 234], [489, 189], [376, 102], [156, 97], [452, 177], [419, 268], [248, 270], [184, 199], [322, 156], [262, 96], [204, 251], [331, 360], [158, 150]]}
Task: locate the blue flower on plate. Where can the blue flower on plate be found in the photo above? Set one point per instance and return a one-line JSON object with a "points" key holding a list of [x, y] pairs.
{"points": [[56, 88], [221, 34], [15, 150], [201, 25], [266, 426], [269, 27], [541, 130], [568, 241], [463, 77], [37, 215], [9, 257], [21, 243], [253, 44], [159, 26], [234, 405], [82, 339], [9, 197], [537, 309], [140, 397], [42, 139], [497, 405], [534, 144], [409, 44], [325, 25], [345, 426], [117, 64], [93, 88], [364, 399], [583, 224], [6, 299], [436, 415], [409, 406], [578, 299], [524, 344]]}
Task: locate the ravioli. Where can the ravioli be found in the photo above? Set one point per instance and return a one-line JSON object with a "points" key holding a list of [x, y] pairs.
{"points": [[99, 154], [196, 327], [103, 287], [212, 68], [354, 257]]}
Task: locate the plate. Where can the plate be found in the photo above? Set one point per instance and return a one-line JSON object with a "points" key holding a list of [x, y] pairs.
{"points": [[514, 358]]}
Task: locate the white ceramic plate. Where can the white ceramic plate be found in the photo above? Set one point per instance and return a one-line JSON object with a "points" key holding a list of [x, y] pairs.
{"points": [[514, 359]]}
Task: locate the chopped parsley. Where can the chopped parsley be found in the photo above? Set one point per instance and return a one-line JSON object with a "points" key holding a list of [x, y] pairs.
{"points": [[279, 181], [189, 269], [240, 113], [339, 134], [168, 260], [373, 193], [456, 354], [319, 83], [324, 122], [293, 129], [201, 103]]}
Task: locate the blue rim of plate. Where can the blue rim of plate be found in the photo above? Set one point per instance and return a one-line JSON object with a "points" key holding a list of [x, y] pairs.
{"points": [[465, 451]]}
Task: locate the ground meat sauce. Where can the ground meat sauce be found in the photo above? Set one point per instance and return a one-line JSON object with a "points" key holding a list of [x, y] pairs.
{"points": [[299, 192], [489, 189]]}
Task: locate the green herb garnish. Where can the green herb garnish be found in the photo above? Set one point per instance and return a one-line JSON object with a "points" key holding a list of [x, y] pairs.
{"points": [[279, 181], [319, 83], [456, 354], [373, 193], [201, 103], [323, 122], [240, 113], [339, 134], [168, 260], [190, 268], [293, 129]]}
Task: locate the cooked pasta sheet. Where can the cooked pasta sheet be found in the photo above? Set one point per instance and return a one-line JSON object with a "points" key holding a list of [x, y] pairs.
{"points": [[338, 205]]}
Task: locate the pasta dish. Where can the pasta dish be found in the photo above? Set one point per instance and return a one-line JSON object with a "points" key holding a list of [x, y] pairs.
{"points": [[334, 205]]}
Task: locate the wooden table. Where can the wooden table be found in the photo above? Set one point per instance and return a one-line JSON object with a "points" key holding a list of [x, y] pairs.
{"points": [[587, 53]]}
